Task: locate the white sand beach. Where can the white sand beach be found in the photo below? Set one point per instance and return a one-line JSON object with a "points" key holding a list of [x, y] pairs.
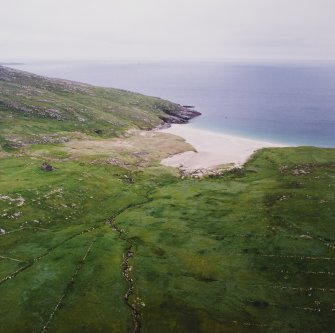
{"points": [[212, 149]]}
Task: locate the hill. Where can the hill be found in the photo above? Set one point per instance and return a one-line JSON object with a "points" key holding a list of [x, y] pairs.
{"points": [[35, 109]]}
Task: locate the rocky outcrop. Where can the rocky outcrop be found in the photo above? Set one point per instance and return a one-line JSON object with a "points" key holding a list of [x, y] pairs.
{"points": [[179, 115]]}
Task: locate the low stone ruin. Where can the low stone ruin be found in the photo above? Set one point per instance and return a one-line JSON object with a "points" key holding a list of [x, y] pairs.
{"points": [[46, 167]]}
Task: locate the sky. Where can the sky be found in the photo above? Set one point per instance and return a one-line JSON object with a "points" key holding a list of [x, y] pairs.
{"points": [[167, 30]]}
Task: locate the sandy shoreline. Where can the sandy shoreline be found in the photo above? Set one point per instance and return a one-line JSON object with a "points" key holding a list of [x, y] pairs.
{"points": [[212, 149]]}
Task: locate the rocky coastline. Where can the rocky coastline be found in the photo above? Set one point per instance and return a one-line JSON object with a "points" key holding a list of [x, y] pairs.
{"points": [[181, 115]]}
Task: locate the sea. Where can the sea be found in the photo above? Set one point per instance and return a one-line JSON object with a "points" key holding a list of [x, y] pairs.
{"points": [[288, 103]]}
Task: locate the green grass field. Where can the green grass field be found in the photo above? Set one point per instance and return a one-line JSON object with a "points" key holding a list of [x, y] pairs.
{"points": [[250, 250], [247, 251]]}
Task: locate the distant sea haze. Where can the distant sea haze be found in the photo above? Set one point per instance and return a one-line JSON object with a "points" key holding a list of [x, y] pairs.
{"points": [[293, 104]]}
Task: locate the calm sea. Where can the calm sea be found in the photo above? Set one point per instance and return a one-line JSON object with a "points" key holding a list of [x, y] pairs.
{"points": [[293, 104]]}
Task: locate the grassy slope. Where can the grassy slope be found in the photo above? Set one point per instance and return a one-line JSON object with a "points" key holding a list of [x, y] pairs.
{"points": [[252, 251], [32, 106]]}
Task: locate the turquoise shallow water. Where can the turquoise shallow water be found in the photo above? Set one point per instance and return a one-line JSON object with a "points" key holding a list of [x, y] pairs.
{"points": [[289, 103]]}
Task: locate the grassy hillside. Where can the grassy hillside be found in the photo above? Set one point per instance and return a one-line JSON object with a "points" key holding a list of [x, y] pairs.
{"points": [[109, 241], [35, 109]]}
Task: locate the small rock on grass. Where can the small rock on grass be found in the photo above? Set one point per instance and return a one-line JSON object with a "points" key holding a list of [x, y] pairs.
{"points": [[46, 167]]}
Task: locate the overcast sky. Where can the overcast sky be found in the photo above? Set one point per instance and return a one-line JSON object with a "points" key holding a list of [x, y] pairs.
{"points": [[167, 29]]}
